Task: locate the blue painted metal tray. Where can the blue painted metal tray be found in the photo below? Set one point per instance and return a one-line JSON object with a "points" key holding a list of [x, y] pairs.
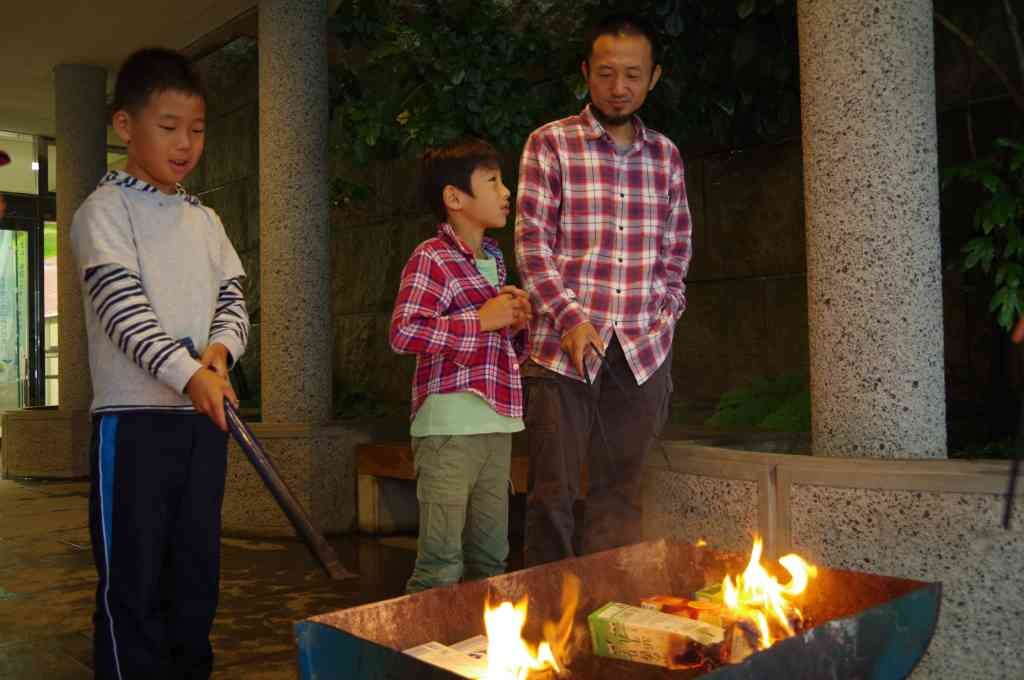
{"points": [[862, 625]]}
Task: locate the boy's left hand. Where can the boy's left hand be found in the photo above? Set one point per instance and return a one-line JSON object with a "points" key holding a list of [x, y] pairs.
{"points": [[207, 390], [216, 358], [524, 310]]}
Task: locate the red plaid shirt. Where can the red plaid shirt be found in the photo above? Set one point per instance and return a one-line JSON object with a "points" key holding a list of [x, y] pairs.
{"points": [[602, 236], [436, 319]]}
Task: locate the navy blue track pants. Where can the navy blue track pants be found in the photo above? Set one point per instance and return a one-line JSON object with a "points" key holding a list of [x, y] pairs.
{"points": [[154, 514]]}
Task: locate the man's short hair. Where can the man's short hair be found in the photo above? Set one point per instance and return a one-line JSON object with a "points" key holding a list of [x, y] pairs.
{"points": [[453, 164], [152, 70], [622, 23]]}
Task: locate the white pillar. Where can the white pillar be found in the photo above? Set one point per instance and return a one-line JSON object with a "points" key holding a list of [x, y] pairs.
{"points": [[874, 292]]}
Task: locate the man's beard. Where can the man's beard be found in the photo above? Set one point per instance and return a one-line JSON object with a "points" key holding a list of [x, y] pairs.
{"points": [[606, 120]]}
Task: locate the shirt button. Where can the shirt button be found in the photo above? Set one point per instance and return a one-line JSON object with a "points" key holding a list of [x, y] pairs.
{"points": [[620, 228], [618, 291], [621, 195], [620, 259]]}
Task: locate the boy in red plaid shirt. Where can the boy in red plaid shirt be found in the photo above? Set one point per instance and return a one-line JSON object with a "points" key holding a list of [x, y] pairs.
{"points": [[467, 330]]}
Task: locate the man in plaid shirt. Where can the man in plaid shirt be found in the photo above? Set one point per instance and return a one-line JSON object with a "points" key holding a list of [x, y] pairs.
{"points": [[603, 244]]}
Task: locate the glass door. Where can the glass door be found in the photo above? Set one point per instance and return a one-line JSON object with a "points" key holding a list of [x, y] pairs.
{"points": [[18, 361]]}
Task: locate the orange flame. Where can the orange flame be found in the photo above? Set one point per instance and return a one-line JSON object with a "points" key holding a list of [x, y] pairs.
{"points": [[755, 595], [509, 656]]}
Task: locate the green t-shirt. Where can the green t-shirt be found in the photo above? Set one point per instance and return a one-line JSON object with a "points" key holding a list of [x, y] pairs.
{"points": [[463, 412]]}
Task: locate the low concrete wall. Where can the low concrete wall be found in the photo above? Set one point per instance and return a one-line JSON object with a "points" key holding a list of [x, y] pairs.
{"points": [[924, 519], [45, 443], [317, 463]]}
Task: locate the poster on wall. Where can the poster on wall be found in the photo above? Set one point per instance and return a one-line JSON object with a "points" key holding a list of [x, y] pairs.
{"points": [[10, 359]]}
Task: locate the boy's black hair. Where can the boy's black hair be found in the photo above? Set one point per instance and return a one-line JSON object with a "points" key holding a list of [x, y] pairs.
{"points": [[152, 70], [622, 23], [453, 164]]}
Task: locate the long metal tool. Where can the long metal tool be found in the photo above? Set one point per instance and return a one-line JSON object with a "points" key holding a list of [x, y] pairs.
{"points": [[272, 479]]}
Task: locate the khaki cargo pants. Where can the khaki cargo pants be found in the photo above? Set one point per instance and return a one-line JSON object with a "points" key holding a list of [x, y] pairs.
{"points": [[462, 484]]}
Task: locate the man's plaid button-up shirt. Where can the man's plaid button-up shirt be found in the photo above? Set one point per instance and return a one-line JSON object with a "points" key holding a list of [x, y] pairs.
{"points": [[602, 235]]}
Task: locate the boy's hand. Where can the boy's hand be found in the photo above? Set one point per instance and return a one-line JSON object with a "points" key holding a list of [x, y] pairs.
{"points": [[216, 358], [498, 312], [509, 308], [524, 310], [207, 390]]}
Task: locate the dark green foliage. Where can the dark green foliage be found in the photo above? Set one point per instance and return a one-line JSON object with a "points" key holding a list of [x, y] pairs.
{"points": [[997, 247], [781, 404], [416, 73]]}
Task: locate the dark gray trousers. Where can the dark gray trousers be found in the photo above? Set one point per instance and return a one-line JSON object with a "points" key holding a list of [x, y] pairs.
{"points": [[563, 434]]}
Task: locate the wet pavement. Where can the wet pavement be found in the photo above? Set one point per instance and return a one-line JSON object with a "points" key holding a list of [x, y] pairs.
{"points": [[47, 583]]}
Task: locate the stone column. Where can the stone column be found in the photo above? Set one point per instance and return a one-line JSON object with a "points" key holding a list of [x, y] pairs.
{"points": [[47, 443], [81, 162], [296, 338], [315, 457], [867, 89]]}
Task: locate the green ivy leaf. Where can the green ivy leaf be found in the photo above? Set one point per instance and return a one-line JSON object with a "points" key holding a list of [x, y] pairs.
{"points": [[1002, 208], [979, 251], [744, 8]]}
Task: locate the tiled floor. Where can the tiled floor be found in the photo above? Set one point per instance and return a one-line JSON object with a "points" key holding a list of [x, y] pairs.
{"points": [[47, 586]]}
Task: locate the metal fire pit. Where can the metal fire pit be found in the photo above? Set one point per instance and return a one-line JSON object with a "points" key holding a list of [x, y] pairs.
{"points": [[863, 625]]}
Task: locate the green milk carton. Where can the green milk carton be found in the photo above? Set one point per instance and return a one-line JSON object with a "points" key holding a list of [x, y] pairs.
{"points": [[622, 631]]}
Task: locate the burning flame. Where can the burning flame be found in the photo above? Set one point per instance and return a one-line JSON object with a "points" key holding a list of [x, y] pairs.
{"points": [[509, 656], [757, 596]]}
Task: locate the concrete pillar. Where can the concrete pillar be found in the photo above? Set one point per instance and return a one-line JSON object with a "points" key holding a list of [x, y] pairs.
{"points": [[867, 90], [315, 457], [44, 443], [81, 162], [296, 338]]}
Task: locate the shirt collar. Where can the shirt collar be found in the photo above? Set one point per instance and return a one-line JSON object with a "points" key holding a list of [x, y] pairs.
{"points": [[119, 178], [446, 232], [595, 130]]}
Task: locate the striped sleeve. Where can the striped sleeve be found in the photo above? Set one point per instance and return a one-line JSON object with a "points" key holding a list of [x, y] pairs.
{"points": [[127, 317], [230, 326]]}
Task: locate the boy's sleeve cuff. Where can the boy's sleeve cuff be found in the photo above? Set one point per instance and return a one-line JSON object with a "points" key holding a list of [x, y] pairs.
{"points": [[234, 346], [178, 370]]}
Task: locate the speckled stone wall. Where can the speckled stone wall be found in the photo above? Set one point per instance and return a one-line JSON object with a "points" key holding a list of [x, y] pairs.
{"points": [[295, 361], [955, 538], [45, 443], [872, 219], [688, 506], [80, 104], [933, 520], [317, 463]]}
